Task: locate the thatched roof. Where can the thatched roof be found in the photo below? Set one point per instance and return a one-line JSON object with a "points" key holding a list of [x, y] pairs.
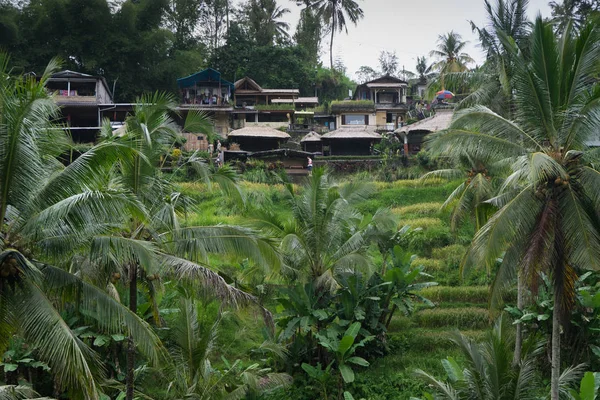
{"points": [[311, 137], [440, 121], [259, 131], [353, 132]]}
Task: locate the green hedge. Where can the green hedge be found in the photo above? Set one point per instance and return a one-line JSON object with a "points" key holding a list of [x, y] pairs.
{"points": [[352, 105]]}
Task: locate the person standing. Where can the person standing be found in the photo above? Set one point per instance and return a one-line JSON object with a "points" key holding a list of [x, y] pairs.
{"points": [[218, 146], [210, 149], [309, 166]]}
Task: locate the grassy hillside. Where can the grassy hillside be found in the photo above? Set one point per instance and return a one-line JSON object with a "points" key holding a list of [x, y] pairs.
{"points": [[418, 341]]}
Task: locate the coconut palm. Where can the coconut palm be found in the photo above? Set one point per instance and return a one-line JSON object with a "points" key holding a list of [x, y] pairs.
{"points": [[492, 83], [40, 218], [480, 183], [335, 14], [154, 241], [450, 55], [547, 218], [325, 234], [265, 18], [488, 373]]}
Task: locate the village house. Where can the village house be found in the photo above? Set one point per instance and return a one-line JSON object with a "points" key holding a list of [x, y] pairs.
{"points": [[412, 135], [83, 99], [388, 95]]}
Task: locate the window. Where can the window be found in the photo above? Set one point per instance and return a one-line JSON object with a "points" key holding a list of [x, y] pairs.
{"points": [[355, 120]]}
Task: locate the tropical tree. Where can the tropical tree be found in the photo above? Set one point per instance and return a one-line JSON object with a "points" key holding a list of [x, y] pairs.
{"points": [[492, 83], [334, 14], [480, 177], [547, 217], [155, 240], [450, 55], [488, 372], [48, 210], [265, 21], [325, 233], [193, 335], [572, 11]]}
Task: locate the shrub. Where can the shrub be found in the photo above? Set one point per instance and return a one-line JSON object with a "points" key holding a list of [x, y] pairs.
{"points": [[352, 105], [462, 318]]}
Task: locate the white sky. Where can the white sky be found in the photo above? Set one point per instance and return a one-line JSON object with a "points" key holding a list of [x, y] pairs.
{"points": [[410, 27]]}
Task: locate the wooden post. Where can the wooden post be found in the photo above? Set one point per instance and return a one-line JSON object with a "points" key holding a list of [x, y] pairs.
{"points": [[68, 87]]}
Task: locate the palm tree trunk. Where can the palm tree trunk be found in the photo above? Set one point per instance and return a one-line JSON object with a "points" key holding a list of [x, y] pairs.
{"points": [[331, 45], [555, 375], [131, 344], [519, 338]]}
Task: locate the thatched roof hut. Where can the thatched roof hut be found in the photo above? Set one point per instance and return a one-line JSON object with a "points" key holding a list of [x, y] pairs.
{"points": [[312, 142], [351, 140], [413, 134], [258, 138]]}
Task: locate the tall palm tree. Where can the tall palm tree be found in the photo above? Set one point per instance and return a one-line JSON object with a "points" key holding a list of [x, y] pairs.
{"points": [[155, 241], [334, 14], [265, 19], [40, 218], [547, 218], [325, 234], [450, 55]]}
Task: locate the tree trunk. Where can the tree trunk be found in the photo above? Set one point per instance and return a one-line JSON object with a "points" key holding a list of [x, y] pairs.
{"points": [[555, 376], [519, 337], [131, 344], [331, 43]]}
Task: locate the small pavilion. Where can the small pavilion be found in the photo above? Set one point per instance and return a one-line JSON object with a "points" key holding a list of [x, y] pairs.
{"points": [[351, 140], [312, 143], [258, 138]]}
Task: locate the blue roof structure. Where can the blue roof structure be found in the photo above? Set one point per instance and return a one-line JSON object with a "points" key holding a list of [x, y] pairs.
{"points": [[207, 75]]}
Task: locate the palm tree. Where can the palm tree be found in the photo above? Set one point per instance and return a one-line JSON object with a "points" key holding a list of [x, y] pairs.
{"points": [[39, 219], [450, 55], [334, 14], [325, 233], [265, 19], [479, 185], [547, 217], [488, 373], [154, 241], [193, 340]]}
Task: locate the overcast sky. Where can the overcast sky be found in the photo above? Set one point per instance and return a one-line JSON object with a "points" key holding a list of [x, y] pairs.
{"points": [[409, 27]]}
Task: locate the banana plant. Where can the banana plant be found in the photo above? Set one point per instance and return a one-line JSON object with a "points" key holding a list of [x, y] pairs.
{"points": [[343, 348], [588, 388]]}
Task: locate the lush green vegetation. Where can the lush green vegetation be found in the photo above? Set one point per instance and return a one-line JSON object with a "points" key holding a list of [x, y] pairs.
{"points": [[120, 280]]}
